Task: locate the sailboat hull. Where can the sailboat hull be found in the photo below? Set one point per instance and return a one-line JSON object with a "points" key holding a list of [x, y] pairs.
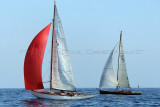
{"points": [[45, 95], [120, 92]]}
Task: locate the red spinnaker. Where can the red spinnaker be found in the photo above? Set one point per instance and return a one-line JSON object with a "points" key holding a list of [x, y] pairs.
{"points": [[33, 60]]}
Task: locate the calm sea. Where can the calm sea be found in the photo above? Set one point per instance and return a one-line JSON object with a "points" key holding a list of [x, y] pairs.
{"points": [[21, 97]]}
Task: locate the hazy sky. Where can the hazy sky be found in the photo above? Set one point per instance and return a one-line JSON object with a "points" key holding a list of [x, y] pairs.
{"points": [[92, 28]]}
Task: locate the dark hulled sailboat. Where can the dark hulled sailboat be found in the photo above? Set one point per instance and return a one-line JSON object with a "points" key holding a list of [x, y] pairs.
{"points": [[108, 78]]}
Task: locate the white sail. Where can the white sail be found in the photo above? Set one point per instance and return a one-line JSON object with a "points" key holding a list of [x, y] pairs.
{"points": [[62, 76], [122, 71], [108, 78]]}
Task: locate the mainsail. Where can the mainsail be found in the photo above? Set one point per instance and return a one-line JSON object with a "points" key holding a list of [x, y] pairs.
{"points": [[108, 78], [62, 76], [122, 71], [33, 60]]}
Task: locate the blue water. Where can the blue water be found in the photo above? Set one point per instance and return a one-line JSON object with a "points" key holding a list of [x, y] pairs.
{"points": [[21, 97]]}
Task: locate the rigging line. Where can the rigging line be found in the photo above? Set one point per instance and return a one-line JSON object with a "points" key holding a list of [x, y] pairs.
{"points": [[81, 85], [114, 52], [136, 82], [46, 82], [116, 46], [46, 72]]}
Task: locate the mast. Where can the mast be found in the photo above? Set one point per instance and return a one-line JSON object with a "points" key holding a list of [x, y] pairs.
{"points": [[119, 56], [53, 34]]}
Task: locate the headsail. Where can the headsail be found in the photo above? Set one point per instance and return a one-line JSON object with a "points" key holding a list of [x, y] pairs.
{"points": [[62, 76], [108, 78], [33, 60], [122, 71]]}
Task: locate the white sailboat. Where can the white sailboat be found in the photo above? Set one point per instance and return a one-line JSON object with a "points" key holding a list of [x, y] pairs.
{"points": [[61, 76], [108, 78]]}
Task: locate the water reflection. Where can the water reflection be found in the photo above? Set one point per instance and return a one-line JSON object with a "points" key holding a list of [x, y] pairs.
{"points": [[45, 102], [33, 103]]}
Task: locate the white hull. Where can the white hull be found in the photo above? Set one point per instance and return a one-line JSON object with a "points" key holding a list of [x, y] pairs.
{"points": [[60, 97]]}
